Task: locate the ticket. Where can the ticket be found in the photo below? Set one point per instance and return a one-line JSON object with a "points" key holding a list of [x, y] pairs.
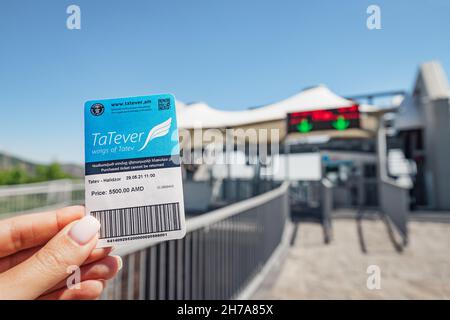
{"points": [[133, 177]]}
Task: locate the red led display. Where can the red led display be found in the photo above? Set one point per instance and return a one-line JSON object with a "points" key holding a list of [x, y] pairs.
{"points": [[326, 119]]}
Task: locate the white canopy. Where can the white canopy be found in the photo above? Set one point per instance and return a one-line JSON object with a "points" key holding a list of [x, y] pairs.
{"points": [[204, 116]]}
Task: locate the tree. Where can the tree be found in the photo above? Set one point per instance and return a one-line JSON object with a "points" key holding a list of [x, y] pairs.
{"points": [[55, 172], [18, 175], [15, 175]]}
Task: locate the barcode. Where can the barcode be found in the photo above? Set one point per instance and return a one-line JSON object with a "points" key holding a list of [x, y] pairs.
{"points": [[138, 220]]}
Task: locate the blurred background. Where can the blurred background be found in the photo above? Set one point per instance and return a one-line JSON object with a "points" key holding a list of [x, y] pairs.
{"points": [[348, 200]]}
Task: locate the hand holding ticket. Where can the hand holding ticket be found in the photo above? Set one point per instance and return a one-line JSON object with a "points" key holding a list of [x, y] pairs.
{"points": [[133, 176]]}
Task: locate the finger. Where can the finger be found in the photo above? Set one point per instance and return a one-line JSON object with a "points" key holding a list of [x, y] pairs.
{"points": [[104, 269], [47, 267], [88, 290], [11, 261], [98, 254], [32, 230]]}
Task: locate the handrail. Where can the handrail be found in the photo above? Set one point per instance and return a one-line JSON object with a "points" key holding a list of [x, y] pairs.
{"points": [[40, 187], [233, 209], [28, 198], [214, 216]]}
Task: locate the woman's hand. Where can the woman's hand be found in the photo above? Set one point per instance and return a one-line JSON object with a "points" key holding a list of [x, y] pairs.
{"points": [[39, 251]]}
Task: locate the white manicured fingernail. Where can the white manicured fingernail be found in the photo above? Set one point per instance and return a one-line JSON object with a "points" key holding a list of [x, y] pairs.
{"points": [[119, 262], [84, 230]]}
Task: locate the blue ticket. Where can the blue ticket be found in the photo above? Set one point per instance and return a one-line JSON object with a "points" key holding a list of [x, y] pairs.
{"points": [[132, 165]]}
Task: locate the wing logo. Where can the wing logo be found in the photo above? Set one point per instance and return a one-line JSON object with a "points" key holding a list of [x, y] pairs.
{"points": [[160, 130]]}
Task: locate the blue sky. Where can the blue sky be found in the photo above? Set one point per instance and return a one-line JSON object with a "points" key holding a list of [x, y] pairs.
{"points": [[231, 54]]}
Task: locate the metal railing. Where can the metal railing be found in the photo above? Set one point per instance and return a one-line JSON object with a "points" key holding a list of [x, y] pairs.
{"points": [[219, 256], [240, 189], [313, 201], [394, 194], [27, 198], [327, 209], [395, 205], [22, 199]]}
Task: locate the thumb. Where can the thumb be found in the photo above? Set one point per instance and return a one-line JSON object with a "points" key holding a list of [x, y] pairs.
{"points": [[50, 265]]}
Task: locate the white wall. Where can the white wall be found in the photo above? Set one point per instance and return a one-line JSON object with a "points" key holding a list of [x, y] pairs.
{"points": [[301, 166]]}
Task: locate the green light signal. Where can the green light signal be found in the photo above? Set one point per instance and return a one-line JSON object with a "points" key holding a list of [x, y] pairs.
{"points": [[304, 126], [341, 123]]}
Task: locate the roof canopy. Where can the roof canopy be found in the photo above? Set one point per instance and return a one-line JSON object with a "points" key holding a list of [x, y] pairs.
{"points": [[202, 115]]}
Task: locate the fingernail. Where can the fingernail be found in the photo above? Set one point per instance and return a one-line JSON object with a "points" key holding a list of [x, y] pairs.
{"points": [[84, 230], [119, 262]]}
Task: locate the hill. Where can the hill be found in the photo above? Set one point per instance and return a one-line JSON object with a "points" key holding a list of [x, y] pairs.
{"points": [[8, 162]]}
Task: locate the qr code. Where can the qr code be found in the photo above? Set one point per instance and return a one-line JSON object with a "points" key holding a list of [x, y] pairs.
{"points": [[163, 104]]}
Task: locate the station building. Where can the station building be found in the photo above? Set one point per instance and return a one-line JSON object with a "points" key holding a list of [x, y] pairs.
{"points": [[323, 135]]}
